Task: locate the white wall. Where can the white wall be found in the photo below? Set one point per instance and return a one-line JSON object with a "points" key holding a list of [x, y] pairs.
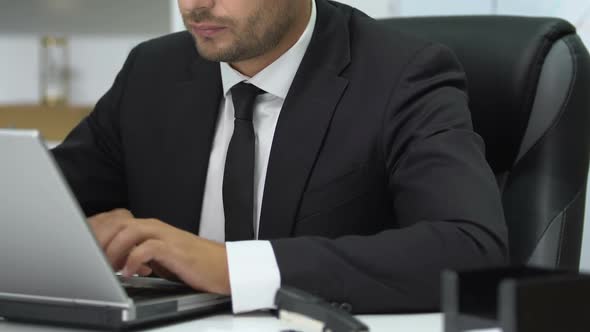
{"points": [[94, 62], [99, 33], [175, 17], [376, 8], [447, 7], [576, 11]]}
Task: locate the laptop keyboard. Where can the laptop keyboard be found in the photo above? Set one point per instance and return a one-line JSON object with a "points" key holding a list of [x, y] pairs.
{"points": [[139, 294], [138, 288]]}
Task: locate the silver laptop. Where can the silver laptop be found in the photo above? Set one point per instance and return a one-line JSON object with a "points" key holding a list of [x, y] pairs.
{"points": [[51, 268]]}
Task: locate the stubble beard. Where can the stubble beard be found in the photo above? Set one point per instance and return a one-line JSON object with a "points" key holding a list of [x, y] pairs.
{"points": [[262, 32]]}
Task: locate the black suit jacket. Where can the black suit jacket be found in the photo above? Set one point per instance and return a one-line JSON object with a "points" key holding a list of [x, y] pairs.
{"points": [[376, 181]]}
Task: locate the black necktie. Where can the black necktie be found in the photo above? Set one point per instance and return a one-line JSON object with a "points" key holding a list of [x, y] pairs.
{"points": [[238, 177]]}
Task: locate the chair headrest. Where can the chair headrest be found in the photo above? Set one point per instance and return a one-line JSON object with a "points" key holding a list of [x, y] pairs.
{"points": [[503, 57]]}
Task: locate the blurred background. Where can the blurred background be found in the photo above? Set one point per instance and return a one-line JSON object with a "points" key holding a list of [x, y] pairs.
{"points": [[99, 34], [59, 56]]}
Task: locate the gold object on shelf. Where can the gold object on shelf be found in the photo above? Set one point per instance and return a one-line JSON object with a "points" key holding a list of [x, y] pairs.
{"points": [[53, 41], [54, 70], [52, 101], [54, 123]]}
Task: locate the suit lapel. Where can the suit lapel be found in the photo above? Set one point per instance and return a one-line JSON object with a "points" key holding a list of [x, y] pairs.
{"points": [[304, 120], [193, 108]]}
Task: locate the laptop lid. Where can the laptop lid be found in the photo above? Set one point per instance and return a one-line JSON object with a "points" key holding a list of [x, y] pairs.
{"points": [[43, 232]]}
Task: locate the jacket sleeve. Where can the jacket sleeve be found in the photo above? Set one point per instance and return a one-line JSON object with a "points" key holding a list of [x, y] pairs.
{"points": [[91, 156], [446, 203]]}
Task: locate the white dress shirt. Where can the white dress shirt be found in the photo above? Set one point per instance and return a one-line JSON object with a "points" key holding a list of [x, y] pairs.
{"points": [[253, 270]]}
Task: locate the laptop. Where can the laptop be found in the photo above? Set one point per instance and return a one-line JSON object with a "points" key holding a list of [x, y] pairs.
{"points": [[51, 268]]}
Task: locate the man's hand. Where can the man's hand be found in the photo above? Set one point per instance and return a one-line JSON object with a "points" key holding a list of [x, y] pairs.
{"points": [[144, 246]]}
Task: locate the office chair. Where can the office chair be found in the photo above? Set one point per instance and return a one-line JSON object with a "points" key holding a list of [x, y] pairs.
{"points": [[529, 90]]}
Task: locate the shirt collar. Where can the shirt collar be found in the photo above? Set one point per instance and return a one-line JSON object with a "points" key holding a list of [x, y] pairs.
{"points": [[277, 77]]}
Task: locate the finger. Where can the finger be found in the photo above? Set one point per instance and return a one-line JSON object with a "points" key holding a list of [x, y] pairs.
{"points": [[162, 272], [150, 250], [123, 242], [122, 213], [109, 215], [106, 225], [105, 231], [100, 216], [144, 271]]}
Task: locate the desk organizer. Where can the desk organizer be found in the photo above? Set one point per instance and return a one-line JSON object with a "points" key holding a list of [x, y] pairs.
{"points": [[521, 299]]}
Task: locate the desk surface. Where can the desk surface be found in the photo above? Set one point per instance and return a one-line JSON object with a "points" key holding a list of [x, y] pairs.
{"points": [[264, 322]]}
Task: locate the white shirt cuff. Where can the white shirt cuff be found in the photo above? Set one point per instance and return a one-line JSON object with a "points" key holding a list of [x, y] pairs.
{"points": [[254, 275]]}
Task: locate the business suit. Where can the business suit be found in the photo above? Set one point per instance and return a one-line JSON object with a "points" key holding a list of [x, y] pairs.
{"points": [[375, 180]]}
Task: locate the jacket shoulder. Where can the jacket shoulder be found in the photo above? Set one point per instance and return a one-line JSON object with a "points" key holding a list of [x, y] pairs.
{"points": [[178, 41], [166, 56], [376, 36]]}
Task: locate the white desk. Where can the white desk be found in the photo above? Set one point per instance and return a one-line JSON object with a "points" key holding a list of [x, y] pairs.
{"points": [[263, 322]]}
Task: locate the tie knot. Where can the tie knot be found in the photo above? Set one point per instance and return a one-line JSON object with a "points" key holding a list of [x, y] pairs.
{"points": [[243, 95]]}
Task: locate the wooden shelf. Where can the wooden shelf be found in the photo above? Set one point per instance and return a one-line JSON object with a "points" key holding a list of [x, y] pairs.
{"points": [[54, 123]]}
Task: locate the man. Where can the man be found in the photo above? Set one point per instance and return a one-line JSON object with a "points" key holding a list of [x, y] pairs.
{"points": [[359, 178]]}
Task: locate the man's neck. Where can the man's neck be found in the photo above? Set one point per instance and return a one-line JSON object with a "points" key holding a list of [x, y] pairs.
{"points": [[255, 65]]}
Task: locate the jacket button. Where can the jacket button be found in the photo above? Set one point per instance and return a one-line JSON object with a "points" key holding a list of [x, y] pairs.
{"points": [[346, 307]]}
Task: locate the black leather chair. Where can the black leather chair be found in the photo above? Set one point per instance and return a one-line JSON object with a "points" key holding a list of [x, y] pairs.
{"points": [[529, 88]]}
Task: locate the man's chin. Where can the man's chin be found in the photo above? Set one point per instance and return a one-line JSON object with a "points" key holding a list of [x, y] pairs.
{"points": [[207, 50], [210, 56], [215, 55]]}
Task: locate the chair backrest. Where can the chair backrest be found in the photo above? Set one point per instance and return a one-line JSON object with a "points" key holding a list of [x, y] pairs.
{"points": [[529, 89]]}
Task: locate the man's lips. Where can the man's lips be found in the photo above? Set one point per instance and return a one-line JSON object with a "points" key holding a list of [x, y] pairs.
{"points": [[206, 30]]}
